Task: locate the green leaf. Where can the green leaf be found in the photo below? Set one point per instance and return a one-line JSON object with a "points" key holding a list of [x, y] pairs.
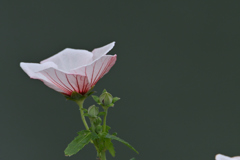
{"points": [[104, 91], [110, 105], [102, 135], [108, 128], [83, 138], [94, 136], [95, 98], [90, 93], [120, 140], [85, 110], [109, 146], [101, 113], [114, 134], [115, 99], [86, 114], [133, 159]]}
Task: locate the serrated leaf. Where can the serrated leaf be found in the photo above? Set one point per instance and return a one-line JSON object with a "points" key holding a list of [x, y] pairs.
{"points": [[101, 113], [95, 98], [83, 138], [115, 99], [120, 140], [109, 146]]}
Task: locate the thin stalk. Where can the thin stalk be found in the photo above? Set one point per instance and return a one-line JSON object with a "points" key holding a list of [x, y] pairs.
{"points": [[103, 155], [80, 104], [92, 125], [105, 120], [94, 141]]}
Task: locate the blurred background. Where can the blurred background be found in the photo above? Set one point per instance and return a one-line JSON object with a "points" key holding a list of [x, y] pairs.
{"points": [[177, 73]]}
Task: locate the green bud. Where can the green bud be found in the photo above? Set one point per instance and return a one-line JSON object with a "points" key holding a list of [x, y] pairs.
{"points": [[98, 128], [97, 121], [93, 111], [105, 98]]}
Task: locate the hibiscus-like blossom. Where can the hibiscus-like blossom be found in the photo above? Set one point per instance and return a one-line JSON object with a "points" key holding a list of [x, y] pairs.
{"points": [[222, 157], [72, 69]]}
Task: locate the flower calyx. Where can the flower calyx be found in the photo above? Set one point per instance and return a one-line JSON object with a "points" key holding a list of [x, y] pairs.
{"points": [[75, 96], [105, 99]]}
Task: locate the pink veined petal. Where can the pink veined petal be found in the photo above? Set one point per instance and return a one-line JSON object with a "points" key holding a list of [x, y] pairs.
{"points": [[98, 69], [99, 52], [222, 157], [32, 69], [83, 84], [54, 87], [67, 82]]}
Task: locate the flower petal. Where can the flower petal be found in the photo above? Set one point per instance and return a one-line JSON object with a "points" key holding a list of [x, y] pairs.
{"points": [[67, 82], [32, 68], [99, 52], [33, 71], [99, 68], [72, 69], [70, 58], [54, 87], [236, 158], [222, 157]]}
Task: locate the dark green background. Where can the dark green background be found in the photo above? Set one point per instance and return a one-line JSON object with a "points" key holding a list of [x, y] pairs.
{"points": [[177, 73]]}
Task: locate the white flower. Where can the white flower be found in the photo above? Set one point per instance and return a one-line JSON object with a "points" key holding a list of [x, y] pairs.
{"points": [[223, 157], [72, 69]]}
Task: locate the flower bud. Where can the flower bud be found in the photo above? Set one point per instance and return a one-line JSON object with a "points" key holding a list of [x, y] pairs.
{"points": [[97, 121], [93, 111], [105, 98], [98, 128]]}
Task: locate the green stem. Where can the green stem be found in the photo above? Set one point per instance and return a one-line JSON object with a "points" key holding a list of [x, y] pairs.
{"points": [[80, 104], [103, 155], [92, 125], [105, 120]]}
